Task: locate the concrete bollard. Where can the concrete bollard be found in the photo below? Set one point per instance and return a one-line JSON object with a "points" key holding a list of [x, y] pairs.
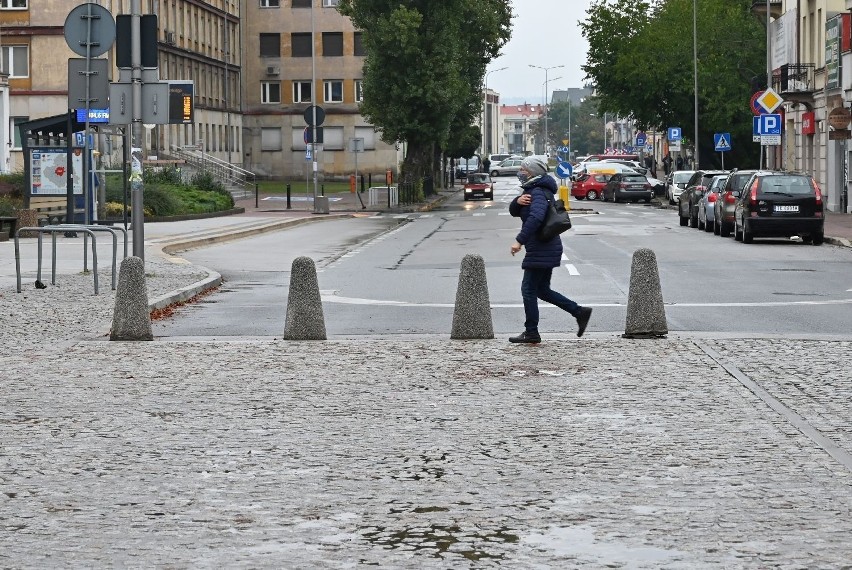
{"points": [[305, 319], [472, 315], [131, 319], [646, 313]]}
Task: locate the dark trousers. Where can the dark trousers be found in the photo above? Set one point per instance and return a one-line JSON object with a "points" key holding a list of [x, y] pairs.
{"points": [[535, 286]]}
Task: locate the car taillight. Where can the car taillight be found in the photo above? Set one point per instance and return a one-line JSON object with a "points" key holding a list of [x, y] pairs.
{"points": [[752, 198], [729, 198], [622, 185], [647, 186], [818, 194], [712, 197]]}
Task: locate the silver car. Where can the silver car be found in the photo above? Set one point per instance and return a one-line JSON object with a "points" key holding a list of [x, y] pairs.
{"points": [[508, 167], [676, 183], [706, 219], [723, 212]]}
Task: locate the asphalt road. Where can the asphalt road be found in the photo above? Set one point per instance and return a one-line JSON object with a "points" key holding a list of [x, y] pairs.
{"points": [[398, 274]]}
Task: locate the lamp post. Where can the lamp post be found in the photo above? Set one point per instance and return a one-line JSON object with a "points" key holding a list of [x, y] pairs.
{"points": [[546, 69], [544, 98], [695, 77], [485, 137]]}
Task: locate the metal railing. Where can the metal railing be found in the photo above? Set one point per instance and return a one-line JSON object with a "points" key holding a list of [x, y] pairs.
{"points": [[232, 176], [794, 78]]}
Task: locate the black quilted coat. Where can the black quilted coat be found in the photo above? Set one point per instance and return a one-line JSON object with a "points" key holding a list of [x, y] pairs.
{"points": [[538, 254]]}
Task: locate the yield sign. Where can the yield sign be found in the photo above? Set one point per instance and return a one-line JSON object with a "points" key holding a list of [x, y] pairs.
{"points": [[722, 141]]}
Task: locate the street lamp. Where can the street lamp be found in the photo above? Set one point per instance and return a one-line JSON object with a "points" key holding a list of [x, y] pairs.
{"points": [[546, 69], [485, 138], [695, 75]]}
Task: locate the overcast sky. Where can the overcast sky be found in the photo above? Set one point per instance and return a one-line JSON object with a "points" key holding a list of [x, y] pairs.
{"points": [[544, 33]]}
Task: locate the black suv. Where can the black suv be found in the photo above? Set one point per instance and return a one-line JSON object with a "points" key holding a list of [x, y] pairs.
{"points": [[779, 204], [698, 184]]}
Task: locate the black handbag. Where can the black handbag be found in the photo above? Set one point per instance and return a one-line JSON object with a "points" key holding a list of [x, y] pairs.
{"points": [[555, 222]]}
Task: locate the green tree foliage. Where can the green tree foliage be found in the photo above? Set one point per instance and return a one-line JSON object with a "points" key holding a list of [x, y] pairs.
{"points": [[424, 68], [641, 62]]}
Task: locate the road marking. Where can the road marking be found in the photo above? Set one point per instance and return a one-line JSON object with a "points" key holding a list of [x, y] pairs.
{"points": [[331, 296]]}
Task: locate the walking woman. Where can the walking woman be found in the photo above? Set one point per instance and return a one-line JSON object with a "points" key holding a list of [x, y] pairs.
{"points": [[540, 257]]}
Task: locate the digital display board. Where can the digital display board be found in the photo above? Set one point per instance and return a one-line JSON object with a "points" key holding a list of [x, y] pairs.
{"points": [[181, 105]]}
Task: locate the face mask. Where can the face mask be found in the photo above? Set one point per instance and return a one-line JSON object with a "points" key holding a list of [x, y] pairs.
{"points": [[523, 177]]}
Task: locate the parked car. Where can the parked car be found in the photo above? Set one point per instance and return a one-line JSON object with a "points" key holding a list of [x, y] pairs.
{"points": [[629, 186], [723, 209], [708, 202], [779, 204], [498, 158], [589, 185], [465, 166], [478, 185], [687, 202], [508, 167], [676, 182]]}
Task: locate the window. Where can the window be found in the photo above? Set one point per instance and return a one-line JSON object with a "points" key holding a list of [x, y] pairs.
{"points": [[270, 138], [16, 134], [270, 45], [359, 44], [332, 44], [301, 3], [359, 90], [327, 3], [369, 136], [301, 44], [270, 3], [270, 92], [16, 61], [13, 4], [333, 90], [332, 138], [301, 92]]}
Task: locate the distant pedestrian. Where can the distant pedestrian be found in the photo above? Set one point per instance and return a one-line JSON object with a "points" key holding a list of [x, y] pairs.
{"points": [[653, 167], [667, 163], [649, 160], [679, 162], [540, 257]]}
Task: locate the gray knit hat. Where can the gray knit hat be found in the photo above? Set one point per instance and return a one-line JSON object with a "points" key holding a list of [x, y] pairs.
{"points": [[534, 165]]}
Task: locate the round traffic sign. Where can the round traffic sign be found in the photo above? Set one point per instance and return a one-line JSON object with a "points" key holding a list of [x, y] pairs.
{"points": [[839, 118], [89, 25], [756, 107], [309, 115]]}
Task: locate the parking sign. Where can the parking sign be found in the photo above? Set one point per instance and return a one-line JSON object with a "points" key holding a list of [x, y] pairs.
{"points": [[675, 134]]}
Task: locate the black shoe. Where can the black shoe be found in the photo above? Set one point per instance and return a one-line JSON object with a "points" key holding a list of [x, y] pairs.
{"points": [[526, 338], [583, 320]]}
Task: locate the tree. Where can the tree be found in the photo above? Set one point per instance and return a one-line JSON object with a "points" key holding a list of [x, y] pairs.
{"points": [[641, 62], [424, 67]]}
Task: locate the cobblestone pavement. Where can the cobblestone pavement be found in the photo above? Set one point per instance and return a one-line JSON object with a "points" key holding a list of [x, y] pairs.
{"points": [[411, 452]]}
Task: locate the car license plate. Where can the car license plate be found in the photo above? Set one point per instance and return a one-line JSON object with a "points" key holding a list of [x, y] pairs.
{"points": [[786, 208]]}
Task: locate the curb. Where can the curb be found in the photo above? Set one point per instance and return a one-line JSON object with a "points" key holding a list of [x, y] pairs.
{"points": [[212, 281]]}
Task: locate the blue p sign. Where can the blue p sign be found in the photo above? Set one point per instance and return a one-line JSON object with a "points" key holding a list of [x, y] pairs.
{"points": [[769, 124], [675, 134]]}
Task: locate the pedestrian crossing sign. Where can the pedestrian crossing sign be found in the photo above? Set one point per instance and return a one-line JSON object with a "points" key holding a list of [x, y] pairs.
{"points": [[722, 142]]}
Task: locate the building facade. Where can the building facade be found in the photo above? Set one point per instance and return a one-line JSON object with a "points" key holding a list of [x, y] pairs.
{"points": [[518, 121], [300, 53]]}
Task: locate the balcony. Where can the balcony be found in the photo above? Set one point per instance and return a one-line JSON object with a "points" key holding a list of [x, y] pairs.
{"points": [[795, 82]]}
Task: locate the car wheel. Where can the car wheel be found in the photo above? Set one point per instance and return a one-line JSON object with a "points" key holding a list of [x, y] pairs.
{"points": [[748, 237], [715, 227], [724, 229], [701, 225], [683, 221], [495, 174], [738, 236], [647, 200], [818, 238], [693, 222], [591, 195]]}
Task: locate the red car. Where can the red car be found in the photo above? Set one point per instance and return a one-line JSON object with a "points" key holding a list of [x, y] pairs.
{"points": [[478, 185], [589, 185]]}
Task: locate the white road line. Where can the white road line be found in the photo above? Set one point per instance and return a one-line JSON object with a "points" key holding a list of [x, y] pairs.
{"points": [[331, 296], [571, 269]]}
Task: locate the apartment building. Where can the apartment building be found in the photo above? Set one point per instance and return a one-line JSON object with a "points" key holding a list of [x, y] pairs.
{"points": [[197, 41], [518, 121], [808, 40], [300, 53]]}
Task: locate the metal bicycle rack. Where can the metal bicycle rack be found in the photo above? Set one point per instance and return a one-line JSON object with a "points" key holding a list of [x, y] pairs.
{"points": [[87, 231]]}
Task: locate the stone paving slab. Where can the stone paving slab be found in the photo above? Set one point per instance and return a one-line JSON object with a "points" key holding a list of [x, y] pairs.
{"points": [[408, 454]]}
